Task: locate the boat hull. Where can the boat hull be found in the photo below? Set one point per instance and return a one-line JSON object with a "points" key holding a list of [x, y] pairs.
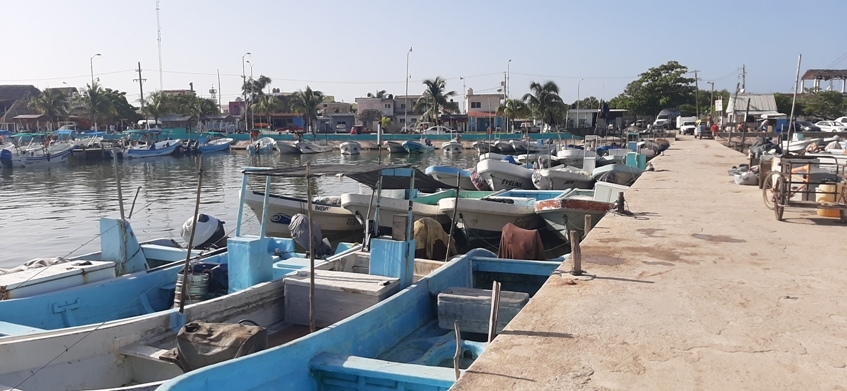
{"points": [[452, 147], [163, 148], [359, 204], [449, 176], [333, 220], [308, 147], [394, 147], [417, 147], [556, 179], [566, 214], [486, 219], [504, 176], [287, 148], [350, 148]]}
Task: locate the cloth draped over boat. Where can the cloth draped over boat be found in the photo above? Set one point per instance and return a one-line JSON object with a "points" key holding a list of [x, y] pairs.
{"points": [[34, 264], [431, 241], [394, 176], [200, 344], [519, 243], [299, 228]]}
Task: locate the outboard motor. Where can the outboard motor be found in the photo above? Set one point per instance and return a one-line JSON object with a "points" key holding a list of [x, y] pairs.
{"points": [[210, 232], [299, 228], [6, 158]]}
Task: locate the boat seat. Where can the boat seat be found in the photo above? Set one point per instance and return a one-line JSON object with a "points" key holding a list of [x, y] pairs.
{"points": [[143, 351], [8, 329]]}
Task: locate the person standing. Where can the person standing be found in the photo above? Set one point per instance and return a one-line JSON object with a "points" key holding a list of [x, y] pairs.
{"points": [[714, 129]]}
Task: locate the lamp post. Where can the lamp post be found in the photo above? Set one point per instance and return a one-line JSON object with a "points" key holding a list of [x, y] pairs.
{"points": [[577, 101], [243, 89], [406, 97], [712, 100], [252, 113], [464, 98], [91, 65]]}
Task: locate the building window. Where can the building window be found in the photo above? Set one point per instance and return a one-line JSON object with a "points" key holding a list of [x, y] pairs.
{"points": [[402, 105], [476, 105], [402, 120], [388, 105]]}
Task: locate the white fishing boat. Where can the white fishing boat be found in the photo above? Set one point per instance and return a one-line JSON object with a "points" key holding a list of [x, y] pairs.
{"points": [[287, 147], [502, 146], [452, 147], [394, 147], [327, 213], [307, 147], [562, 178], [528, 146], [485, 217], [425, 205], [262, 146], [350, 148], [214, 144], [501, 175], [492, 155], [617, 173], [482, 147], [36, 154], [449, 175], [421, 146], [568, 212]]}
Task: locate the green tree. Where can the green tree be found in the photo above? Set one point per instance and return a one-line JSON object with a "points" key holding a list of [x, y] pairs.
{"points": [[590, 102], [514, 108], [122, 110], [435, 100], [783, 104], [385, 122], [96, 104], [661, 87], [824, 104], [380, 94], [369, 116], [155, 106], [51, 103], [307, 103], [268, 104], [545, 102]]}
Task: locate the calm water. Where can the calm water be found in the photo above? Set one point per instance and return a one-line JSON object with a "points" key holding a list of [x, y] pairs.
{"points": [[49, 212]]}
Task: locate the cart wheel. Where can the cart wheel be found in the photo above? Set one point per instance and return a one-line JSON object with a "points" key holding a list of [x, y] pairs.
{"points": [[768, 194], [780, 198], [843, 216]]}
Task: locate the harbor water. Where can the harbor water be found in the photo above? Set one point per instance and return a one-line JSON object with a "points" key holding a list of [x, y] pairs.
{"points": [[54, 211]]}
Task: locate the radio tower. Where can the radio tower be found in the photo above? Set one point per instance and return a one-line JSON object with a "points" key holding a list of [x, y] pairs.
{"points": [[159, 34]]}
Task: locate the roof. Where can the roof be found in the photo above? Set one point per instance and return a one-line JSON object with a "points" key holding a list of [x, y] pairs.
{"points": [[394, 176], [825, 74], [174, 118], [759, 103], [28, 116], [16, 92], [481, 114]]}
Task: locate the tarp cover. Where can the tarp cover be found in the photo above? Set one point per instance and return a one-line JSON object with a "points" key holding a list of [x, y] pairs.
{"points": [[200, 344], [395, 176], [519, 243]]}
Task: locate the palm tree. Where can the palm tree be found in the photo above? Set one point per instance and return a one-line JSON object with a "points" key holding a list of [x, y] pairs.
{"points": [[155, 106], [514, 108], [545, 102], [96, 103], [379, 94], [307, 103], [52, 103], [268, 104], [434, 101]]}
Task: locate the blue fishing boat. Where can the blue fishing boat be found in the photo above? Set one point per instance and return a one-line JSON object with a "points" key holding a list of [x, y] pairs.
{"points": [[213, 142], [405, 342], [422, 146]]}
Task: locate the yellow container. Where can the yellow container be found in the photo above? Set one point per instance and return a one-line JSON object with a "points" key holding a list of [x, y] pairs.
{"points": [[826, 193]]}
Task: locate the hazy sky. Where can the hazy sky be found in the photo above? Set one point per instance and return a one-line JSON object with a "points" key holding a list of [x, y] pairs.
{"points": [[350, 48]]}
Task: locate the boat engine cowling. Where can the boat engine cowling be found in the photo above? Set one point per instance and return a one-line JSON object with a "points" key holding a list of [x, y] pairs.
{"points": [[210, 232], [6, 158]]}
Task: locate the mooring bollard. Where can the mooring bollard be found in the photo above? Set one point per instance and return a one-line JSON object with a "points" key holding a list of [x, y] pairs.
{"points": [[576, 254], [621, 201]]}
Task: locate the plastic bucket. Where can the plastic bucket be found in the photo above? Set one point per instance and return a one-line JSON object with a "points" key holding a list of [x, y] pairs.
{"points": [[826, 193]]}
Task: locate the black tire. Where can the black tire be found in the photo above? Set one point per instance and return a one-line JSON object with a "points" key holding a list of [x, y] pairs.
{"points": [[768, 194], [780, 198], [843, 218]]}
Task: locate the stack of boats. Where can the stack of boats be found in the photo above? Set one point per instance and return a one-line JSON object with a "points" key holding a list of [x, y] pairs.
{"points": [[132, 317]]}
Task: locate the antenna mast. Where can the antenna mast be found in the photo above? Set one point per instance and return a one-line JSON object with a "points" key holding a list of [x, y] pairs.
{"points": [[159, 34]]}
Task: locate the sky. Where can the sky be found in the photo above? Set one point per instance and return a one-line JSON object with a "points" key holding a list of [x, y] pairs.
{"points": [[349, 48]]}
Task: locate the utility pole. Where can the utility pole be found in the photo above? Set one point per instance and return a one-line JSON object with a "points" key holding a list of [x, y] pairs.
{"points": [[712, 100], [141, 91], [743, 78], [696, 94]]}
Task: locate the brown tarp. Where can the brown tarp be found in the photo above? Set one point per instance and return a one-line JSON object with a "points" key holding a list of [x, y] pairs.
{"points": [[519, 243]]}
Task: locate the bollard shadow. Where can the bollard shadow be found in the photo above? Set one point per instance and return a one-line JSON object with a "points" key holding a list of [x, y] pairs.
{"points": [[499, 374], [620, 279]]}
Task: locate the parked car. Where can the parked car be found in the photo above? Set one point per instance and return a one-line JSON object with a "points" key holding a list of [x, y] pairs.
{"points": [[801, 126], [843, 120], [687, 127], [832, 126]]}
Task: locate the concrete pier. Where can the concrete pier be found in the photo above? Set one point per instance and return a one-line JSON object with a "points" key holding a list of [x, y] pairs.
{"points": [[699, 288]]}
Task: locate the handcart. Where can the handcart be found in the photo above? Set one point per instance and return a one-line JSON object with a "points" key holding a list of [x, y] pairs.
{"points": [[806, 182]]}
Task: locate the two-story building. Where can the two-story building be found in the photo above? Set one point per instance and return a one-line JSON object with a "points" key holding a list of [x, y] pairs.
{"points": [[482, 111]]}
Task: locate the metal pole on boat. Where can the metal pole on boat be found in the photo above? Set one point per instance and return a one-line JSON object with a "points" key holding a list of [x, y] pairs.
{"points": [[120, 193], [409, 216], [132, 207], [241, 205], [190, 241], [266, 206], [458, 349], [793, 103], [453, 218], [311, 248]]}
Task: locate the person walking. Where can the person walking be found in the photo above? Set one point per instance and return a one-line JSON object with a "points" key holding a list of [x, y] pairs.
{"points": [[714, 129]]}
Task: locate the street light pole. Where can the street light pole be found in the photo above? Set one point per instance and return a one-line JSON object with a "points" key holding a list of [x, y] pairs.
{"points": [[91, 64], [509, 121], [406, 97], [712, 99], [577, 101], [464, 91], [252, 113], [243, 89]]}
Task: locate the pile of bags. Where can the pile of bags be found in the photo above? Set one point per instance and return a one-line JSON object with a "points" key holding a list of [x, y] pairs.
{"points": [[745, 175]]}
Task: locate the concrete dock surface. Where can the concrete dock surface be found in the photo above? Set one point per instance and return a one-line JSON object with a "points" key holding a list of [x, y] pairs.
{"points": [[700, 288]]}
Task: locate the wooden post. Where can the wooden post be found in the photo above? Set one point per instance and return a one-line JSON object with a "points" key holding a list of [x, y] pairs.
{"points": [[458, 349], [495, 311], [190, 241], [576, 254], [311, 248], [587, 227]]}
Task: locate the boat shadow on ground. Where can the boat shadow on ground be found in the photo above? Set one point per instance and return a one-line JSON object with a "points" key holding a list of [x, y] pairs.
{"points": [[543, 334]]}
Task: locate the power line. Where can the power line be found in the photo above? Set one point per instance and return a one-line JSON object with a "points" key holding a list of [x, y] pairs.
{"points": [[66, 77]]}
